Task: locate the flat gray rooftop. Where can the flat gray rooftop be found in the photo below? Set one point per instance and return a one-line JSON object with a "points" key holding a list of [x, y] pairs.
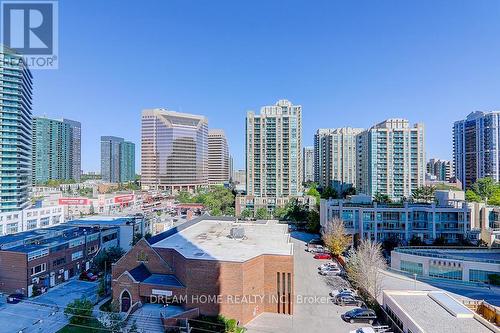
{"points": [[433, 317], [210, 240]]}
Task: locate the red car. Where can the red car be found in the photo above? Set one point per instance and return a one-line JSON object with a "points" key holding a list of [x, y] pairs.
{"points": [[88, 276], [322, 256]]}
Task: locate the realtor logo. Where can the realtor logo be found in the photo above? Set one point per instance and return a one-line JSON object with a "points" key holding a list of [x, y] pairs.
{"points": [[30, 28]]}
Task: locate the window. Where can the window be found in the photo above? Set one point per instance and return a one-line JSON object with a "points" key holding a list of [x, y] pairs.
{"points": [[44, 221], [108, 238], [59, 262], [32, 224], [76, 255], [92, 249], [38, 269], [476, 275], [12, 228], [445, 270], [92, 237], [411, 267], [37, 254], [77, 242]]}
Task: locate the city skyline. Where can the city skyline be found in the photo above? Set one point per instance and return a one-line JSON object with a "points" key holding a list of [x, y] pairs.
{"points": [[362, 70]]}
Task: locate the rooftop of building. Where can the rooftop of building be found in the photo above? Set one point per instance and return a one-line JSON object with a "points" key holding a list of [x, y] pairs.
{"points": [[29, 241], [209, 238], [103, 220], [436, 311], [454, 253]]}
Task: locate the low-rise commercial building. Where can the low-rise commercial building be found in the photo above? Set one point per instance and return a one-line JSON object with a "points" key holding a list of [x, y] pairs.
{"points": [[32, 261], [431, 311], [129, 226], [30, 219], [213, 264], [464, 264]]}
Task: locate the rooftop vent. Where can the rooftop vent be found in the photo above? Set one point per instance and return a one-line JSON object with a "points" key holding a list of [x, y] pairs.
{"points": [[237, 232]]}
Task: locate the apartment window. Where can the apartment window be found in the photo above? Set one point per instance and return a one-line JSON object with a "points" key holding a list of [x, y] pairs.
{"points": [[109, 237], [92, 249], [32, 224], [12, 228], [59, 262], [38, 269], [44, 221], [76, 255]]}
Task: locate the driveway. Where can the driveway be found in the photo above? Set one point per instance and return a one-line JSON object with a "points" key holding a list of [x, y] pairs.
{"points": [[44, 313], [314, 311]]}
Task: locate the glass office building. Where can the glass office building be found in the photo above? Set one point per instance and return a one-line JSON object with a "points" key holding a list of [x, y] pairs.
{"points": [[16, 86], [127, 161], [174, 148], [110, 158]]}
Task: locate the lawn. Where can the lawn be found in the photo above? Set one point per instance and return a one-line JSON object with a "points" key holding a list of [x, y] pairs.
{"points": [[93, 327]]}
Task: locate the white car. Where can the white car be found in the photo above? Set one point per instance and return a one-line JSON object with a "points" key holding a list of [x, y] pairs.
{"points": [[328, 264], [335, 292], [317, 249], [330, 271]]}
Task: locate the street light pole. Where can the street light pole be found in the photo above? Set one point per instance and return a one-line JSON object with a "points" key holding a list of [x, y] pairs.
{"points": [[415, 281]]}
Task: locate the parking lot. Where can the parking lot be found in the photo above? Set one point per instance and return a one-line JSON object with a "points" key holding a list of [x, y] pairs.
{"points": [[44, 313], [314, 310]]}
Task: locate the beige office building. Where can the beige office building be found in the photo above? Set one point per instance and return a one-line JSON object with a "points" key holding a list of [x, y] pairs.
{"points": [[274, 151], [174, 151], [218, 157]]}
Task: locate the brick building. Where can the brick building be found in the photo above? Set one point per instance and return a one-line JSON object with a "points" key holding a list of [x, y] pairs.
{"points": [[40, 259], [216, 265]]}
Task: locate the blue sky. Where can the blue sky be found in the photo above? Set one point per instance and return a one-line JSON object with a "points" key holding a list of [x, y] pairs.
{"points": [[348, 63]]}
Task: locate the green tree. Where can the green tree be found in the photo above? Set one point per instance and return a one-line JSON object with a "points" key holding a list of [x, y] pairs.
{"points": [[79, 311], [416, 241], [106, 257], [313, 221], [329, 192], [280, 213], [439, 241], [381, 198], [494, 200], [314, 192], [261, 214], [246, 213], [485, 187], [472, 196], [229, 211], [297, 212], [424, 194], [184, 197]]}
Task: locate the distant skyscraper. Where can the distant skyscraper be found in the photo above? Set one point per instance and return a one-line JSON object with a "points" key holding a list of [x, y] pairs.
{"points": [[218, 157], [274, 151], [56, 150], [442, 170], [75, 157], [174, 149], [476, 147], [110, 158], [391, 159], [15, 132], [308, 164], [117, 160], [127, 161], [335, 157]]}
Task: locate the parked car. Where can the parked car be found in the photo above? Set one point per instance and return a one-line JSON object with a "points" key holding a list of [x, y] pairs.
{"points": [[15, 298], [367, 329], [315, 241], [360, 315], [322, 256], [328, 264], [336, 292], [348, 299], [330, 271], [317, 249], [88, 276]]}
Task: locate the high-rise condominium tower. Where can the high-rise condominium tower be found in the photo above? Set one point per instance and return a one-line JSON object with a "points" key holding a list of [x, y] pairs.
{"points": [[117, 160], [308, 164], [391, 159], [442, 170], [56, 150], [218, 157], [274, 151], [476, 147], [15, 132], [110, 158], [75, 158], [174, 149], [335, 157]]}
